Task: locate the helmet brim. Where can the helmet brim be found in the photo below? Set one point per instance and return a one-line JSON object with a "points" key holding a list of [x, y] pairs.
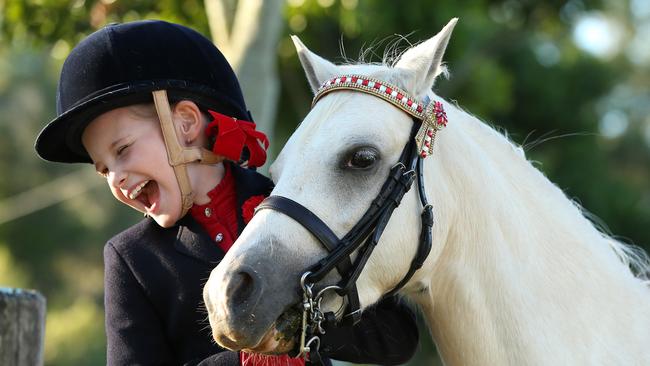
{"points": [[60, 140]]}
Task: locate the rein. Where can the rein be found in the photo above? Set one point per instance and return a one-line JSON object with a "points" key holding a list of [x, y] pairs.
{"points": [[428, 117]]}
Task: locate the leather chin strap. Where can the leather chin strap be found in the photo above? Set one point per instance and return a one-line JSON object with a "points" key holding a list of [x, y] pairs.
{"points": [[178, 155]]}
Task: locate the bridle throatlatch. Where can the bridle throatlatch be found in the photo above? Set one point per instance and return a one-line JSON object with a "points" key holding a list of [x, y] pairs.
{"points": [[428, 118]]}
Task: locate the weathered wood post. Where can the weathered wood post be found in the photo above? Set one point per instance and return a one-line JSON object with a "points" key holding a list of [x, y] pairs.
{"points": [[22, 327]]}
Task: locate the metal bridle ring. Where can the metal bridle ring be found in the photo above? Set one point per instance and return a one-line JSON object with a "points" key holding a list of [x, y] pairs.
{"points": [[310, 341], [306, 287], [320, 293]]}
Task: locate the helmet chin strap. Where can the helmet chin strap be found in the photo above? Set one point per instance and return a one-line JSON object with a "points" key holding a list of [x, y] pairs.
{"points": [[178, 155]]}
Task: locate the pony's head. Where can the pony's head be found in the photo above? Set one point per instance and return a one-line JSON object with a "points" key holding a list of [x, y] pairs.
{"points": [[334, 165]]}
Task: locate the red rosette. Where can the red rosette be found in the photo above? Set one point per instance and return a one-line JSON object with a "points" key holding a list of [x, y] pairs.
{"points": [[440, 114], [248, 208]]}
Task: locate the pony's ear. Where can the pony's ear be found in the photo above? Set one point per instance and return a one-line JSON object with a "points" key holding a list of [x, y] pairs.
{"points": [[424, 60], [316, 68]]}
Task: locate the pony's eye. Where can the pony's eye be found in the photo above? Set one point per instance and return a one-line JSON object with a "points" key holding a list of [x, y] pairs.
{"points": [[363, 158]]}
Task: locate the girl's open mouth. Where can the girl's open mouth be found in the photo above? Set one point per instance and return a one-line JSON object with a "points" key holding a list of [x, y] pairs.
{"points": [[147, 193]]}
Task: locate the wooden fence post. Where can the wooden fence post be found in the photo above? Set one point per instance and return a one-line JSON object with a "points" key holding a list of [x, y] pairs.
{"points": [[22, 327]]}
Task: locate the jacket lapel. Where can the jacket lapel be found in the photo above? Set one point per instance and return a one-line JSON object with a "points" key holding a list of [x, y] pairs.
{"points": [[193, 241]]}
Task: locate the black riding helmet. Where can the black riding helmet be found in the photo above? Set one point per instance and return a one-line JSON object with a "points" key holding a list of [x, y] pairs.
{"points": [[121, 65]]}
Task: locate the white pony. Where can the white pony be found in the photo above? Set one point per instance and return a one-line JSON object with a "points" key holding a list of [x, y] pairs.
{"points": [[516, 276]]}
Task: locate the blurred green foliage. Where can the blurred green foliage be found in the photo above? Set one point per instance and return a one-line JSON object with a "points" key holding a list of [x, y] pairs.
{"points": [[582, 118]]}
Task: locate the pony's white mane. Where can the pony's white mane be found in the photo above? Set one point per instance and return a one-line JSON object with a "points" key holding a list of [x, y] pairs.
{"points": [[574, 218], [534, 255]]}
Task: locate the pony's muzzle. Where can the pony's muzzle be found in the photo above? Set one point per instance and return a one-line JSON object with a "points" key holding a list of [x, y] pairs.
{"points": [[232, 300], [247, 293]]}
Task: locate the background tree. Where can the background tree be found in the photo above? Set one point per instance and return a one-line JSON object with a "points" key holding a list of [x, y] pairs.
{"points": [[249, 38], [566, 79]]}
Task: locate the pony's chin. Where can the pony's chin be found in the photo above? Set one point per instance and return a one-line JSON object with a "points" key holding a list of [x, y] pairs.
{"points": [[273, 343], [282, 337]]}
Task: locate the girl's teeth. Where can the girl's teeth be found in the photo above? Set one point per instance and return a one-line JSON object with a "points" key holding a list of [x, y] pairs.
{"points": [[137, 190]]}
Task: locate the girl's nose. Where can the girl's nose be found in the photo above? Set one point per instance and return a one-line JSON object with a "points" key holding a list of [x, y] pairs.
{"points": [[116, 179]]}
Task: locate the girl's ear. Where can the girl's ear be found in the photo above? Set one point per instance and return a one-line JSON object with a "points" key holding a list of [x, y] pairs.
{"points": [[189, 123]]}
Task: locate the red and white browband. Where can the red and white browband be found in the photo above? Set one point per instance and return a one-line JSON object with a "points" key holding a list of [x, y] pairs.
{"points": [[431, 113]]}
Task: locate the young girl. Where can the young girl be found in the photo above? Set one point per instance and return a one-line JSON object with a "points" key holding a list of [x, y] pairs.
{"points": [[159, 112]]}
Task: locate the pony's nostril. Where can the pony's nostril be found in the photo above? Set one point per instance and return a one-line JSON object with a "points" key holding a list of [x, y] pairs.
{"points": [[242, 288]]}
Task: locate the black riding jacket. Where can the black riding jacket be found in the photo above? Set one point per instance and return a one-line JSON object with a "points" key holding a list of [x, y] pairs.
{"points": [[154, 278]]}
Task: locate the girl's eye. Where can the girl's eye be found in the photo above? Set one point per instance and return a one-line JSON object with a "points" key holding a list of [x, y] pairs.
{"points": [[363, 158], [121, 149]]}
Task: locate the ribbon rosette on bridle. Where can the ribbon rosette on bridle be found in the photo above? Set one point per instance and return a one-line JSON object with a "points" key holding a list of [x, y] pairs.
{"points": [[232, 135]]}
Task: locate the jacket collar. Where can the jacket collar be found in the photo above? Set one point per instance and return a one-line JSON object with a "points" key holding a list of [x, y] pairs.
{"points": [[193, 241]]}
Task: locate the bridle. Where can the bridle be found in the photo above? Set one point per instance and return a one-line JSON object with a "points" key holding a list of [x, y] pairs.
{"points": [[428, 117]]}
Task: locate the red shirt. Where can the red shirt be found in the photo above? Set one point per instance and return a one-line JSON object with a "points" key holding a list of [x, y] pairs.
{"points": [[219, 216], [219, 219]]}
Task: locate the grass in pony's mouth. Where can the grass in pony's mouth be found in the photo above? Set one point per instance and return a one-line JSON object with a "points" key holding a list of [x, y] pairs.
{"points": [[288, 328], [288, 324]]}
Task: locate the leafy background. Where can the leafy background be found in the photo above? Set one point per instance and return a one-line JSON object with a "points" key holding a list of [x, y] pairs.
{"points": [[566, 79]]}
